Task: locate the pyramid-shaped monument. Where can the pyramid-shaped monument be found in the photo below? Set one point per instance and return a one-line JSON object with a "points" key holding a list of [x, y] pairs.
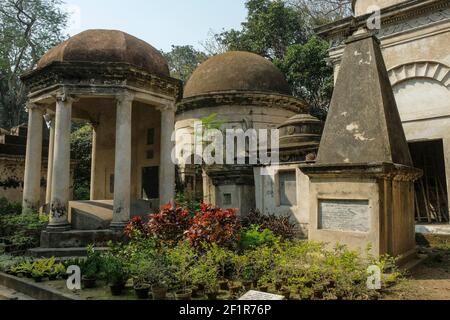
{"points": [[362, 185], [363, 124]]}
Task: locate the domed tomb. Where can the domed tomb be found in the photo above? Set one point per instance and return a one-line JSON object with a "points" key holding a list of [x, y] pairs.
{"points": [[300, 138], [108, 46], [236, 71]]}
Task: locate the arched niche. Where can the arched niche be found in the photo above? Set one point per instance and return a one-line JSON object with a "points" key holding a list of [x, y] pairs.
{"points": [[422, 90]]}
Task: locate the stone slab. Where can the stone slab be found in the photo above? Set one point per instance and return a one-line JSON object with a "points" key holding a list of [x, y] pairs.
{"points": [[344, 215], [257, 296], [32, 289]]}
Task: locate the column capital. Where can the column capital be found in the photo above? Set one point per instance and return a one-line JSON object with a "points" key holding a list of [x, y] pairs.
{"points": [[35, 106], [65, 97], [125, 97], [170, 106]]}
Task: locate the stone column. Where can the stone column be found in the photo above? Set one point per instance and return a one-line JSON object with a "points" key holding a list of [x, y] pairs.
{"points": [[167, 167], [61, 166], [51, 148], [93, 195], [122, 172], [33, 160]]}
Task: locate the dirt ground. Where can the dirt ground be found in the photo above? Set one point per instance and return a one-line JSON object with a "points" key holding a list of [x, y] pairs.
{"points": [[428, 281]]}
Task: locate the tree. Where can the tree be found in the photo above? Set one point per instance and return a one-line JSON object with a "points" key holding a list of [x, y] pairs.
{"points": [[271, 27], [183, 60], [81, 151], [283, 33], [309, 74], [28, 28], [323, 11]]}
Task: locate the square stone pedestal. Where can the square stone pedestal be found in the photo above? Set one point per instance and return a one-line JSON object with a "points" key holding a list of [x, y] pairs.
{"points": [[361, 206]]}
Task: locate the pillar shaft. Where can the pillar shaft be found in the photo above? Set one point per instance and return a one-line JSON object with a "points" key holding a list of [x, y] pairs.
{"points": [[122, 172], [33, 160], [61, 166], [167, 171], [93, 194], [51, 148]]}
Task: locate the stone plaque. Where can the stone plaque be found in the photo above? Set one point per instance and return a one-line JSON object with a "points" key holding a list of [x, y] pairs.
{"points": [[257, 295], [344, 215]]}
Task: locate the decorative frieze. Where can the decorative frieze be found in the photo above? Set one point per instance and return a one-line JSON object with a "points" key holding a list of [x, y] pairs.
{"points": [[260, 99]]}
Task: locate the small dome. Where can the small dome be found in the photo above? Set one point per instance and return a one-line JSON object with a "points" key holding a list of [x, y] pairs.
{"points": [[300, 131], [236, 71], [103, 46]]}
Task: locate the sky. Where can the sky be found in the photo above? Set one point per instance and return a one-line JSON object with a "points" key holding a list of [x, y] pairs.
{"points": [[162, 23]]}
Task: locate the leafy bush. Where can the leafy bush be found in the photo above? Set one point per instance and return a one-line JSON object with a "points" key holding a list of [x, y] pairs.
{"points": [[170, 224], [115, 269], [81, 151], [214, 225], [92, 266], [9, 208], [136, 228], [182, 258], [37, 269], [23, 231], [254, 237], [280, 225]]}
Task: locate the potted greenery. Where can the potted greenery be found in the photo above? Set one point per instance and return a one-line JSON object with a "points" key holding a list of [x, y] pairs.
{"points": [[204, 275], [57, 270], [116, 274], [140, 271], [159, 275], [181, 259], [91, 267]]}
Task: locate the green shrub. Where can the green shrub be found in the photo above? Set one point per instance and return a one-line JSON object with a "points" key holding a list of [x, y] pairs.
{"points": [[115, 269], [280, 225], [9, 208], [23, 231], [91, 268], [254, 237]]}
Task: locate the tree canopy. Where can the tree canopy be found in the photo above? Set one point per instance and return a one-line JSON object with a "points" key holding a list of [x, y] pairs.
{"points": [[28, 28], [282, 31], [183, 60]]}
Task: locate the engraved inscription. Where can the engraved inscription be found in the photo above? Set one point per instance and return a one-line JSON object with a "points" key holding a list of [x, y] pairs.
{"points": [[344, 215]]}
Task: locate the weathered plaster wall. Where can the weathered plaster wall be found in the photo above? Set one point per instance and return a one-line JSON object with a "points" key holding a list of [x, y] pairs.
{"points": [[233, 117], [267, 196], [12, 170], [361, 6], [345, 189]]}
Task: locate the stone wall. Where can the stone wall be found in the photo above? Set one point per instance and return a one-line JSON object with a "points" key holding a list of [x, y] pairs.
{"points": [[268, 199]]}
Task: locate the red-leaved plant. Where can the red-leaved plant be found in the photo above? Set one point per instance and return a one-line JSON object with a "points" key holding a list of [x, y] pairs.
{"points": [[170, 224], [136, 228], [214, 225]]}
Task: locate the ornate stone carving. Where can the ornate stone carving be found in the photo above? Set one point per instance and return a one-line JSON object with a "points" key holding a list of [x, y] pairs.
{"points": [[392, 22]]}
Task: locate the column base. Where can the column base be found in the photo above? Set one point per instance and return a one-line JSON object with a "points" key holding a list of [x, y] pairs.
{"points": [[58, 227], [118, 226]]}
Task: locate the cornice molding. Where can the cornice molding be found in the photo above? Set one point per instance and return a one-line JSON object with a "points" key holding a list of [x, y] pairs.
{"points": [[88, 74], [243, 98]]}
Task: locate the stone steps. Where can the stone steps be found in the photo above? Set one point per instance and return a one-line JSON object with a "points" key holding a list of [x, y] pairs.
{"points": [[90, 215], [78, 238]]}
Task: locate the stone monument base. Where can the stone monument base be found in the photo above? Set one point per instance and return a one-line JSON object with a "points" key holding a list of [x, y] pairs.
{"points": [[364, 206]]}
